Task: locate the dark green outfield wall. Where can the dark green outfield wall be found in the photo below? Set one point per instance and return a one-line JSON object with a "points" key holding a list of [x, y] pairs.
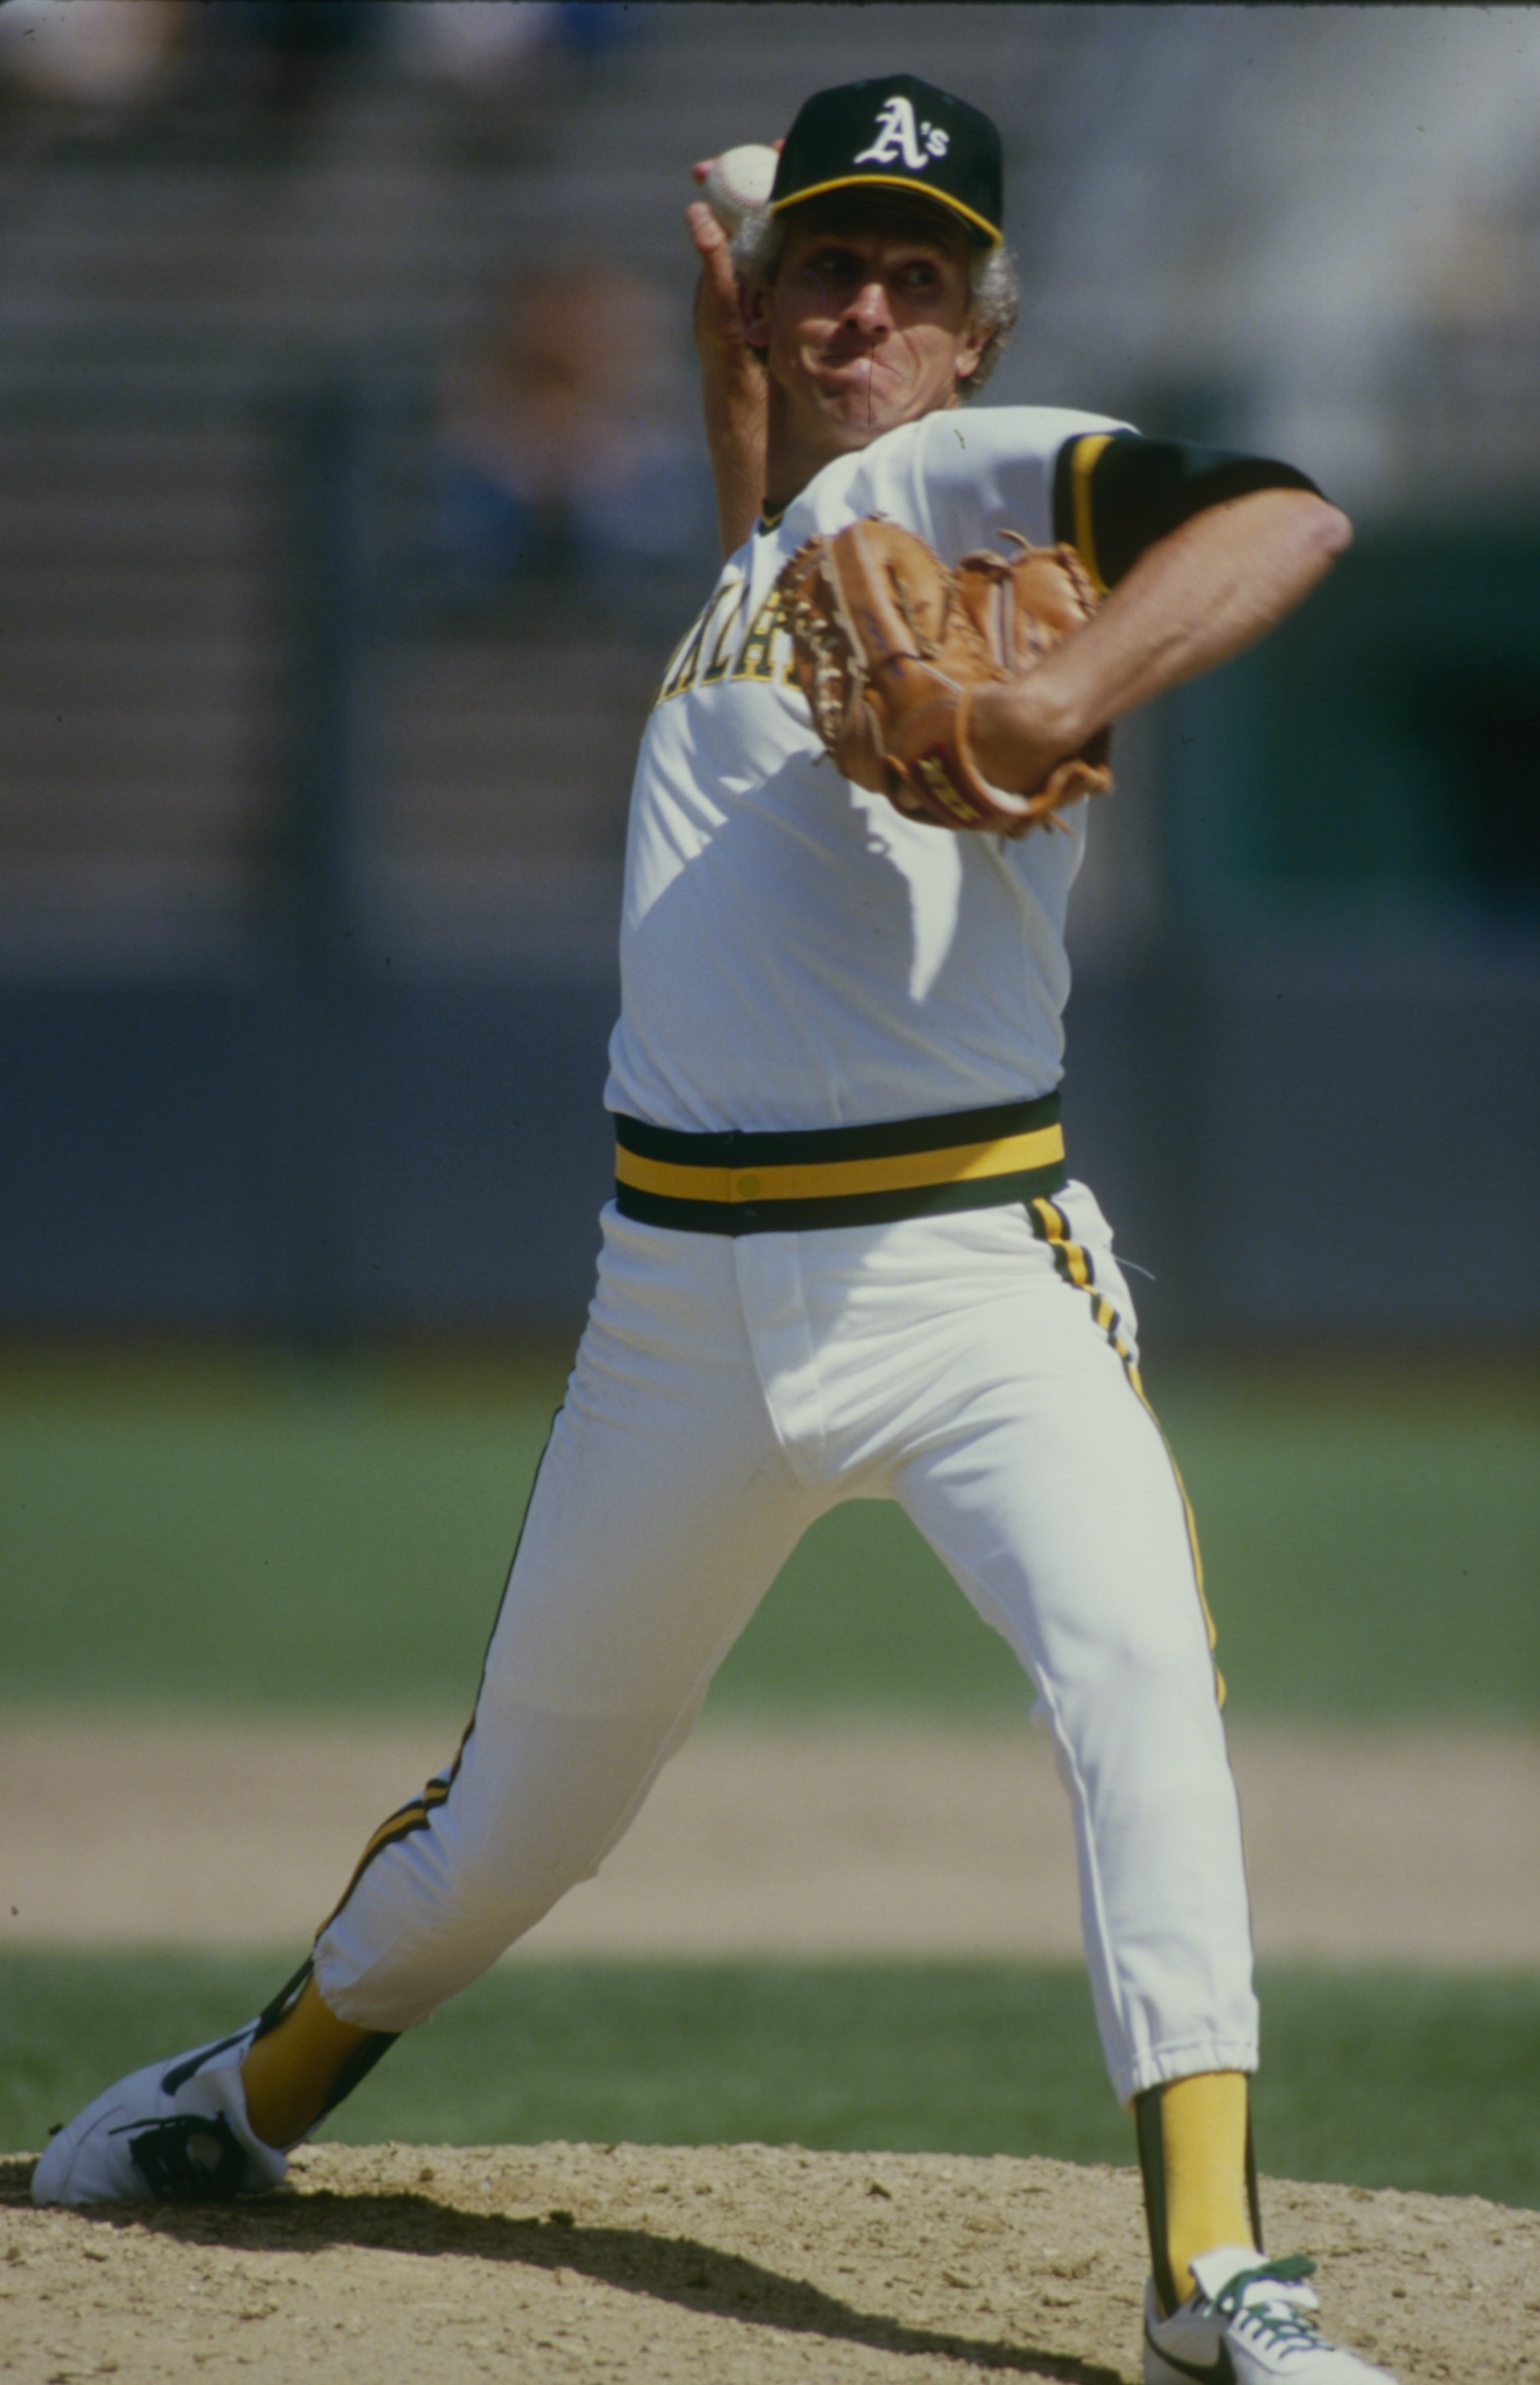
{"points": [[1311, 1105], [1295, 1135]]}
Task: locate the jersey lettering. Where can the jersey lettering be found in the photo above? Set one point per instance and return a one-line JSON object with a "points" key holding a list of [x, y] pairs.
{"points": [[758, 658], [764, 651], [685, 662], [722, 653]]}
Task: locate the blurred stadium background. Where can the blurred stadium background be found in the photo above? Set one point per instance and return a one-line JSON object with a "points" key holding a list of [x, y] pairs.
{"points": [[314, 799], [349, 500]]}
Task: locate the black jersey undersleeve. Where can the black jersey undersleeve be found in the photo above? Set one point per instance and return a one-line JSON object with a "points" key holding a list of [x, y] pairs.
{"points": [[1114, 495]]}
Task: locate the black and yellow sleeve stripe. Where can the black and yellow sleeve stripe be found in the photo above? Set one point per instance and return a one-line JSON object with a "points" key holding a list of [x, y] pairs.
{"points": [[1115, 494]]}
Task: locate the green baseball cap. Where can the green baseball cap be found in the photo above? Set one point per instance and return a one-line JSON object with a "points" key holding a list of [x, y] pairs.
{"points": [[899, 133]]}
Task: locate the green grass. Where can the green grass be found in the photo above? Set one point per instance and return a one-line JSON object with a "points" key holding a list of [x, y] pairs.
{"points": [[1372, 2077], [184, 1529]]}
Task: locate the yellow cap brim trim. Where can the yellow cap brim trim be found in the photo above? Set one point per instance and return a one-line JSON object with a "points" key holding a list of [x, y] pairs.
{"points": [[992, 233]]}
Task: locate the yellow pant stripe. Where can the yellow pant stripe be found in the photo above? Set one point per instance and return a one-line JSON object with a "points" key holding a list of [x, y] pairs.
{"points": [[1056, 1231], [407, 1816], [411, 1816]]}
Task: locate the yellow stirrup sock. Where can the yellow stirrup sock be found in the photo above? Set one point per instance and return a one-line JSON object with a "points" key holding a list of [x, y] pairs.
{"points": [[295, 2071], [1199, 2189]]}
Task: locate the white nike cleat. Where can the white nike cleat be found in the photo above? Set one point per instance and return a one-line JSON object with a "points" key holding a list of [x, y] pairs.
{"points": [[1248, 2323], [177, 2132]]}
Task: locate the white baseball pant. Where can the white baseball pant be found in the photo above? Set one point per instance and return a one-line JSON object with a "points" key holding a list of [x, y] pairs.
{"points": [[979, 1369]]}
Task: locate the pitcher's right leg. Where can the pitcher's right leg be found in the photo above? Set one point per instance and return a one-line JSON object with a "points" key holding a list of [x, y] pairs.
{"points": [[663, 1509]]}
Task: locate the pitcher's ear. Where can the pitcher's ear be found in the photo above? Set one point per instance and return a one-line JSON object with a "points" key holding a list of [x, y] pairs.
{"points": [[969, 353], [753, 303]]}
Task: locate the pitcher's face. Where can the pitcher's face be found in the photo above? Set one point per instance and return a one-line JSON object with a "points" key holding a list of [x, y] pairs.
{"points": [[867, 323]]}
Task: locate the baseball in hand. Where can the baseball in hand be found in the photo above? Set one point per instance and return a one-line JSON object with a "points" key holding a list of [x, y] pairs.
{"points": [[739, 180]]}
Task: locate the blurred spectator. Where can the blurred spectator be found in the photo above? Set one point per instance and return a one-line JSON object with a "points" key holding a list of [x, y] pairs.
{"points": [[109, 55], [592, 28], [93, 53], [472, 42], [477, 43], [289, 50], [563, 448]]}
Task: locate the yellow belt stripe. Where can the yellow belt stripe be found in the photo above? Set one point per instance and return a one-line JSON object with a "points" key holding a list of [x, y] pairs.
{"points": [[827, 1179], [1082, 464]]}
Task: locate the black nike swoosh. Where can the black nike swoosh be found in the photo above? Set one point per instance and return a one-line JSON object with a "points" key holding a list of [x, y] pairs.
{"points": [[1216, 2372], [180, 2072]]}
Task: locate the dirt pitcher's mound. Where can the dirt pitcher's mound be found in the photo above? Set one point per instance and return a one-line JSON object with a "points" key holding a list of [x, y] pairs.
{"points": [[737, 2264]]}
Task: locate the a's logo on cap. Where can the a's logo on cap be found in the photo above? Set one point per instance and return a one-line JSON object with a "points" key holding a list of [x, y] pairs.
{"points": [[898, 136]]}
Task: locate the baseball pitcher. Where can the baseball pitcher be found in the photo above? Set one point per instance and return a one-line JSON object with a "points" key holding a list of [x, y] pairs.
{"points": [[846, 1256]]}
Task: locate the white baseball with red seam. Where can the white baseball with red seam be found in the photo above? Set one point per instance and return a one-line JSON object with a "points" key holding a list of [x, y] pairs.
{"points": [[739, 180]]}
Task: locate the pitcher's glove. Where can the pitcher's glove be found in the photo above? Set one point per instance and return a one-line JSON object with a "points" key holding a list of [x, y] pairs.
{"points": [[890, 649]]}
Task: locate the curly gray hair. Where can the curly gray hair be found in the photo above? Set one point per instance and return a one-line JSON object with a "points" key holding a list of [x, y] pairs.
{"points": [[994, 289]]}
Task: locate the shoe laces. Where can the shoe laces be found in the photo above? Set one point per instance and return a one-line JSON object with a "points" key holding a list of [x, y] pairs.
{"points": [[188, 2158], [1272, 2303]]}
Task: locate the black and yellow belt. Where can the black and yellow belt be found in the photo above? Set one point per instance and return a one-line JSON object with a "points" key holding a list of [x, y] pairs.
{"points": [[746, 1183]]}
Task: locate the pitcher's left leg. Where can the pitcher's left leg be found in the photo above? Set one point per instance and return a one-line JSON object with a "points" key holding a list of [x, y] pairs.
{"points": [[1047, 1488]]}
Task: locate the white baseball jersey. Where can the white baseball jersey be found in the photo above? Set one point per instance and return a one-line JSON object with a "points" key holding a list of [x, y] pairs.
{"points": [[794, 952]]}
